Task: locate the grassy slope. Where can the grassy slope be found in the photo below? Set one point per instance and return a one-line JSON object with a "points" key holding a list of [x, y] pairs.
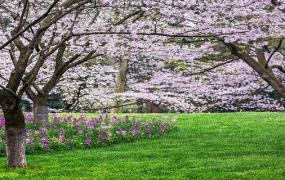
{"points": [[207, 146]]}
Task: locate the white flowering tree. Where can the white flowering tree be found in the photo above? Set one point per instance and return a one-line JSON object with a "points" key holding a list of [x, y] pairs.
{"points": [[39, 45], [42, 40]]}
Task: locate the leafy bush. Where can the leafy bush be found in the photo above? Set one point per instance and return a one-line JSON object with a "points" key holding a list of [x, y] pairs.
{"points": [[70, 132]]}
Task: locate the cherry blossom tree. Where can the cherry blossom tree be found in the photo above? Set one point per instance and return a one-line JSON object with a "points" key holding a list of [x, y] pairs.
{"points": [[42, 40], [174, 85], [248, 28], [28, 51]]}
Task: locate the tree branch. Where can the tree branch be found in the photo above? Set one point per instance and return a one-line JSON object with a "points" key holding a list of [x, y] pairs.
{"points": [[29, 25], [280, 68], [10, 92], [212, 68], [24, 11], [143, 34], [272, 54]]}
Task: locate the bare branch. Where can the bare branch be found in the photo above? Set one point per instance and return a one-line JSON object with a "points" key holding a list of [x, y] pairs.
{"points": [[10, 91], [50, 21], [272, 54], [83, 60], [24, 13], [144, 34], [128, 17], [29, 25], [2, 77], [280, 68], [212, 68], [275, 2]]}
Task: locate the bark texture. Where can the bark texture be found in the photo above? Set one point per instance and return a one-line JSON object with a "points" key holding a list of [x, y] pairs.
{"points": [[40, 111], [15, 148], [15, 132], [152, 107], [259, 66], [121, 84]]}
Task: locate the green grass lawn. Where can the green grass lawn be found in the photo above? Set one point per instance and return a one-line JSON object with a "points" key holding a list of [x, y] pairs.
{"points": [[205, 146]]}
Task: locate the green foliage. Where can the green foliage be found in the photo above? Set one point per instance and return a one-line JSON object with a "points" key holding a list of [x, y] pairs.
{"points": [[26, 106], [104, 61], [70, 132], [176, 65], [142, 78], [55, 102]]}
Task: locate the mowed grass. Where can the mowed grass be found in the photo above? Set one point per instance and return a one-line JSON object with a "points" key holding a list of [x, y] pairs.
{"points": [[204, 146]]}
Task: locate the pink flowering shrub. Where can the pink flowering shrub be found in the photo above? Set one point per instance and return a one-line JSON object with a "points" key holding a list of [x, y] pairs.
{"points": [[69, 132], [2, 122]]}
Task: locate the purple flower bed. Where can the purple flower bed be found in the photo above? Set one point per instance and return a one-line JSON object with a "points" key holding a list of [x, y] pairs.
{"points": [[69, 132]]}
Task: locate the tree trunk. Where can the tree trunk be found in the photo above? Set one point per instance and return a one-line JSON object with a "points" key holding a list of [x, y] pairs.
{"points": [[15, 136], [258, 66], [152, 107], [40, 111], [121, 83], [265, 74]]}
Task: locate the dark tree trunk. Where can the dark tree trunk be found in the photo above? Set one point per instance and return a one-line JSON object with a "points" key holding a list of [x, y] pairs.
{"points": [[15, 136], [40, 111], [266, 74], [260, 67], [152, 107]]}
